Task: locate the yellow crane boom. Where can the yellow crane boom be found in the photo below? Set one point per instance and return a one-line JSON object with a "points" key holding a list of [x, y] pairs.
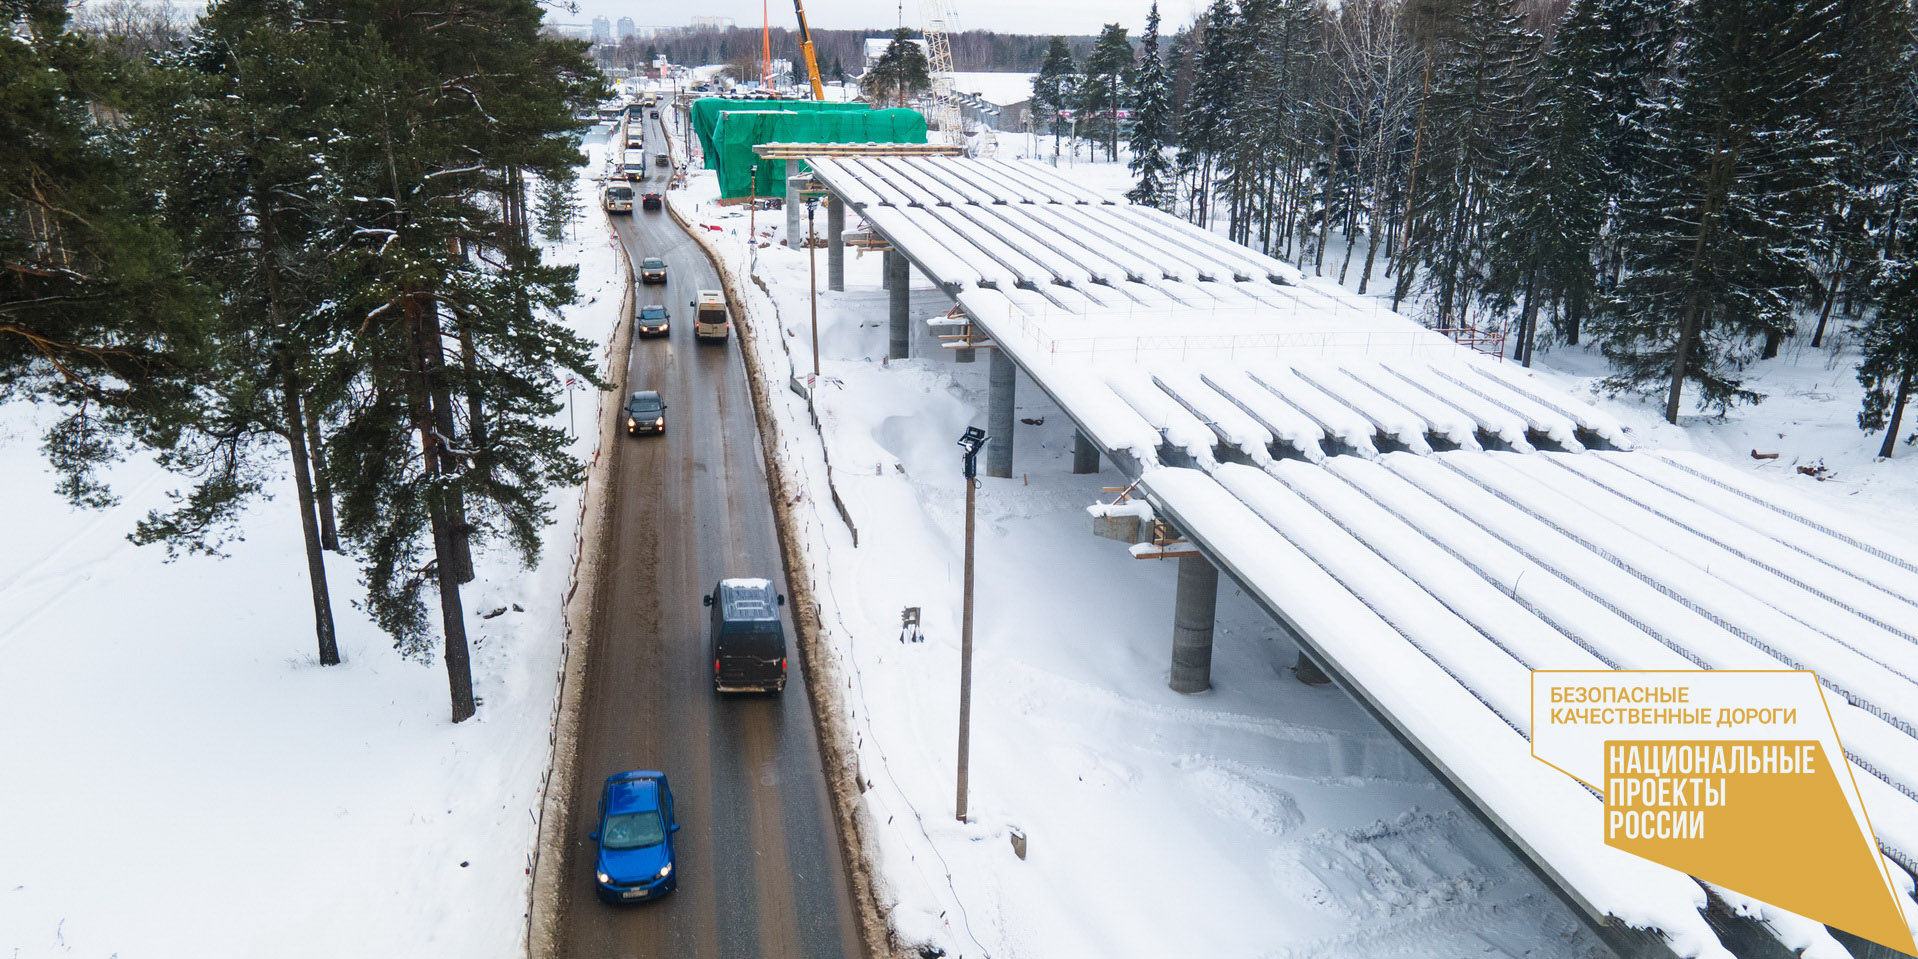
{"points": [[806, 50]]}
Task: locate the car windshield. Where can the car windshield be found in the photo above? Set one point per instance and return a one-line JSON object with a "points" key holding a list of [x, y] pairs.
{"points": [[653, 313], [644, 404], [620, 193], [633, 830], [652, 262]]}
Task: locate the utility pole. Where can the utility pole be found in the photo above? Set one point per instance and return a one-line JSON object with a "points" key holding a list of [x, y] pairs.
{"points": [[971, 442], [812, 270]]}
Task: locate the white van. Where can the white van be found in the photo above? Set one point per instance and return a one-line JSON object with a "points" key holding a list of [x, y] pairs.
{"points": [[710, 320]]}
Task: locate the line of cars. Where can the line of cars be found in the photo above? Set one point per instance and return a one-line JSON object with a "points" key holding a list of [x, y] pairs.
{"points": [[634, 855], [634, 859]]}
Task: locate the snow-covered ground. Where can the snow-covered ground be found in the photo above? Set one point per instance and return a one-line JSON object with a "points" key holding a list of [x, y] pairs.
{"points": [[1263, 818], [181, 777]]}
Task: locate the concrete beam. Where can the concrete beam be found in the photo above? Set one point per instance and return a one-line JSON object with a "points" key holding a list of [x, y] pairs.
{"points": [[1002, 376], [835, 242], [898, 274], [1085, 453], [1192, 615]]}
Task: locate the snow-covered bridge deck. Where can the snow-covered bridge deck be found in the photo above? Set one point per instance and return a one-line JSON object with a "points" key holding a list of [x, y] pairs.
{"points": [[1432, 524]]}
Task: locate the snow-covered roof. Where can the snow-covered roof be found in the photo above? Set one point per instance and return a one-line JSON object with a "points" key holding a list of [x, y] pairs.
{"points": [[1432, 522], [1002, 89]]}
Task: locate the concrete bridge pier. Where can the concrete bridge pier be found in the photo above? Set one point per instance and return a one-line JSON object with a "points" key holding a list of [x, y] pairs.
{"points": [[795, 230], [1002, 375], [1085, 453], [1193, 610], [835, 243], [898, 274]]}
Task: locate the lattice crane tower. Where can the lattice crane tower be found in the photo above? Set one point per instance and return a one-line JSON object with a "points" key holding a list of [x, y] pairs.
{"points": [[941, 19]]}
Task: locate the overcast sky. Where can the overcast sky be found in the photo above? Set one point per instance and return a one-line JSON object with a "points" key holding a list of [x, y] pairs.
{"points": [[1005, 16]]}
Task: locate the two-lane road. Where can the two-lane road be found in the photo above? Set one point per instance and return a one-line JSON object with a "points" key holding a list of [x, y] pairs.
{"points": [[760, 873]]}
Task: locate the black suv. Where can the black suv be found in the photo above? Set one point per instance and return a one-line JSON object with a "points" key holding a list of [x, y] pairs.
{"points": [[748, 636]]}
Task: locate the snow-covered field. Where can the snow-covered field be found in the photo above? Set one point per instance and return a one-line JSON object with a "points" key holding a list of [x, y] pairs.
{"points": [[1264, 818], [181, 777]]}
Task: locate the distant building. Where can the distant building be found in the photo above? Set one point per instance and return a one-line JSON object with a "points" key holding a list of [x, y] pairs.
{"points": [[602, 30], [626, 29], [1002, 101], [712, 23]]}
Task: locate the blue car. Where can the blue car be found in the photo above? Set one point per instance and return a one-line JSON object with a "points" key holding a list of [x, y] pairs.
{"points": [[635, 838]]}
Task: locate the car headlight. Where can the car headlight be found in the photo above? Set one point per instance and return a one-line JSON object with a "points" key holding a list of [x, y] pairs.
{"points": [[665, 870], [661, 422], [602, 877], [632, 423]]}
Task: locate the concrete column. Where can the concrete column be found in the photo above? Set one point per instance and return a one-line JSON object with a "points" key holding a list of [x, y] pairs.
{"points": [[1085, 453], [899, 282], [1003, 377], [835, 243], [795, 231], [1192, 615]]}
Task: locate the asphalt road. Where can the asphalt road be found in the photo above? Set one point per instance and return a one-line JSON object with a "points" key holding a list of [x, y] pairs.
{"points": [[759, 865]]}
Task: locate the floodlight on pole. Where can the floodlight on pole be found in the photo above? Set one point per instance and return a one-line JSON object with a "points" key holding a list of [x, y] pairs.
{"points": [[812, 270], [972, 442]]}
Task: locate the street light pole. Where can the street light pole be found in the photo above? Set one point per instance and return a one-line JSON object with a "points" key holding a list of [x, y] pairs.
{"points": [[812, 269], [971, 442]]}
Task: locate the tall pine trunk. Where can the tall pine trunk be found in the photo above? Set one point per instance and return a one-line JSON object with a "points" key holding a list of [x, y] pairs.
{"points": [[1897, 416], [427, 350], [322, 484], [295, 432], [1404, 285], [1824, 312], [294, 429], [444, 421]]}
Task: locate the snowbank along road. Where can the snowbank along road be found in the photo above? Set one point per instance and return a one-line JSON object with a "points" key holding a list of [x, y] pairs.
{"points": [[759, 867]]}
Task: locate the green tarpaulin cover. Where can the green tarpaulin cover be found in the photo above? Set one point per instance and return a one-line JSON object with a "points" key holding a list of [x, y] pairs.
{"points": [[737, 132], [706, 113]]}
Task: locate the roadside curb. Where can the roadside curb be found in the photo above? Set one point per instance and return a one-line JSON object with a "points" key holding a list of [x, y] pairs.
{"points": [[550, 858]]}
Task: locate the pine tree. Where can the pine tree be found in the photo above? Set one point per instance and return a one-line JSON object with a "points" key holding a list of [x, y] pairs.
{"points": [[96, 318], [446, 299], [1105, 88], [1868, 98], [899, 73], [1474, 114], [1052, 89], [1545, 229], [1202, 130], [1715, 247], [558, 206], [1891, 348], [228, 127], [1151, 123]]}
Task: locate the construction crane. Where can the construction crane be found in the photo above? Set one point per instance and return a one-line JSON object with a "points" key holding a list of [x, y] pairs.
{"points": [[806, 50], [940, 20]]}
